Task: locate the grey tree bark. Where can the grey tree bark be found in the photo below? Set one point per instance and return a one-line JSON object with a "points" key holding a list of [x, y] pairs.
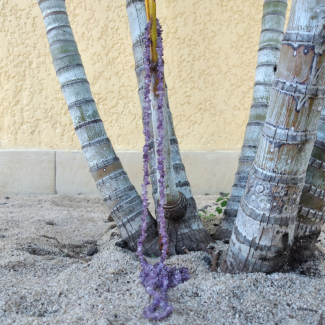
{"points": [[311, 216], [119, 194], [188, 231], [264, 228], [268, 54]]}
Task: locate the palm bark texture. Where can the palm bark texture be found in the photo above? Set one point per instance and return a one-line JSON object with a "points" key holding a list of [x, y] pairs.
{"points": [[121, 198], [188, 231], [264, 228], [267, 61], [311, 216]]}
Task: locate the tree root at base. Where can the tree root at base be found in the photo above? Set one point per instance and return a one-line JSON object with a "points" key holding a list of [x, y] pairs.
{"points": [[215, 256]]}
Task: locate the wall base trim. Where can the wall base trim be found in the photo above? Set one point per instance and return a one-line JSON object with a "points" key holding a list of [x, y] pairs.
{"points": [[46, 172]]}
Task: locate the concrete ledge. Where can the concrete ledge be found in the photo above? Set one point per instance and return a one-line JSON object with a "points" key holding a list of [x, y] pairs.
{"points": [[72, 174], [210, 172], [35, 172], [73, 177], [27, 172]]}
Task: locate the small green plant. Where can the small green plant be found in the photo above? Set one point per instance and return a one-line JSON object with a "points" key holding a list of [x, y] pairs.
{"points": [[205, 215], [222, 203]]}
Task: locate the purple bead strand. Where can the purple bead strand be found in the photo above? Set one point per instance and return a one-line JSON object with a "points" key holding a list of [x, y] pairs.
{"points": [[160, 145], [157, 278], [147, 135]]}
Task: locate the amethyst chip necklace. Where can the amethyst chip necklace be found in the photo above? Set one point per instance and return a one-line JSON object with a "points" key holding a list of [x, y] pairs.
{"points": [[157, 278]]}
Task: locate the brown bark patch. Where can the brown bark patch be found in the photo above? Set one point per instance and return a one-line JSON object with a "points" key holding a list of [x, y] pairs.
{"points": [[295, 62]]}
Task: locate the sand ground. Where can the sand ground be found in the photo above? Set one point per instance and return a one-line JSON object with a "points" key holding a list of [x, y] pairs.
{"points": [[40, 285]]}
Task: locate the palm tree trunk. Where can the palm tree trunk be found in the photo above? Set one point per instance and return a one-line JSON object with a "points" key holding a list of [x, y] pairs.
{"points": [[171, 192], [188, 231], [105, 167], [311, 216], [268, 54], [264, 228]]}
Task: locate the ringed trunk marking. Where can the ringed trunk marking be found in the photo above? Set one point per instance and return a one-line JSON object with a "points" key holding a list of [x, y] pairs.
{"points": [[191, 224], [277, 177], [115, 186], [273, 21]]}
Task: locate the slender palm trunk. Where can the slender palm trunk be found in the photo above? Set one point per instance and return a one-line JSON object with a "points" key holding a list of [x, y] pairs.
{"points": [[105, 167], [171, 192], [267, 61], [189, 230], [311, 216], [264, 228]]}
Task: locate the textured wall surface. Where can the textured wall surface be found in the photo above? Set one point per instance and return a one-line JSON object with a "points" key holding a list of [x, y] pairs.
{"points": [[210, 56]]}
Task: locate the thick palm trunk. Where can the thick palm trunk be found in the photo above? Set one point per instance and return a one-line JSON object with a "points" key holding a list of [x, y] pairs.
{"points": [[311, 216], [264, 228], [188, 231], [267, 61], [105, 167]]}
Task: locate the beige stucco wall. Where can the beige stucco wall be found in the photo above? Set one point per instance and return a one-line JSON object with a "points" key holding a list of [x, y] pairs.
{"points": [[210, 55]]}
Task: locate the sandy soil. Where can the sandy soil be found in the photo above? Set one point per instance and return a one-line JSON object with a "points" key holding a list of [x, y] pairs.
{"points": [[41, 285]]}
